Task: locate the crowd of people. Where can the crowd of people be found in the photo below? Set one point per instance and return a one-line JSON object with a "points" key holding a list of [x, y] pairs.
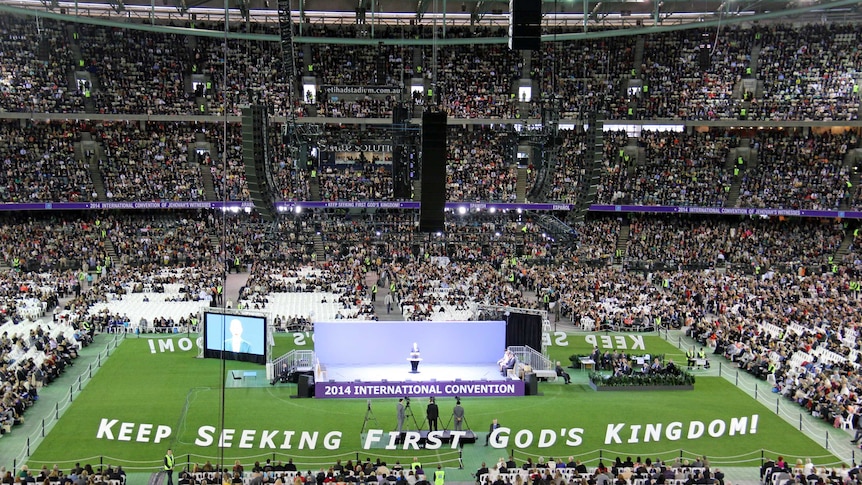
{"points": [[31, 355], [784, 308], [175, 161], [704, 243], [676, 84], [806, 73], [149, 164], [678, 170], [40, 164], [805, 70], [799, 171], [479, 166], [799, 332]]}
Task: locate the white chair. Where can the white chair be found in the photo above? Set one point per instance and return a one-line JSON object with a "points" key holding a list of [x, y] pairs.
{"points": [[847, 423]]}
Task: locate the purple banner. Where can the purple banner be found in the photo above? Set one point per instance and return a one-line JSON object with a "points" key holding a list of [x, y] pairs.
{"points": [[280, 206], [408, 205], [726, 211], [415, 205], [366, 390]]}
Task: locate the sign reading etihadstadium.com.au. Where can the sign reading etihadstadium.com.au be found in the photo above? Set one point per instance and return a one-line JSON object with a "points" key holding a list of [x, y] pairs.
{"points": [[400, 389]]}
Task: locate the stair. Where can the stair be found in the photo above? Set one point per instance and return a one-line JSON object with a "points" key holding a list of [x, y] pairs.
{"points": [[314, 188], [749, 155], [639, 55], [201, 102], [215, 241], [95, 170], [209, 184], [622, 242], [111, 251], [521, 185], [844, 249], [733, 193], [319, 248], [552, 225], [44, 51], [89, 105], [851, 161], [524, 109], [755, 58], [589, 191], [79, 151]]}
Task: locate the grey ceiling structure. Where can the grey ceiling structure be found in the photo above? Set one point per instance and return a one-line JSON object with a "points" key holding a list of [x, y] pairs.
{"points": [[578, 18]]}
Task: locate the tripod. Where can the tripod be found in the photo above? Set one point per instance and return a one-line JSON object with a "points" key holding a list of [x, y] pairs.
{"points": [[408, 414], [464, 427], [369, 416]]}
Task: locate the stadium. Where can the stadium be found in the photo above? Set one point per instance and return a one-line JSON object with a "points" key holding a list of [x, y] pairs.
{"points": [[430, 242]]}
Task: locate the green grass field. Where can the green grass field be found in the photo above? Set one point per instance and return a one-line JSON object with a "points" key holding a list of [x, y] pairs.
{"points": [[181, 394]]}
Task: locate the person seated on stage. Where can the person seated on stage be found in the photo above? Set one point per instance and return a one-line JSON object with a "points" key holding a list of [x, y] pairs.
{"points": [[562, 373], [509, 363]]}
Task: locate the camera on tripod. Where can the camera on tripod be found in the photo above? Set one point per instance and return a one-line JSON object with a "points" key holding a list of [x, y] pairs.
{"points": [[407, 400]]}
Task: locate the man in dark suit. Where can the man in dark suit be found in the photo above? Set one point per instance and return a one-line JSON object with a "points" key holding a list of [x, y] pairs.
{"points": [[507, 362], [494, 425], [719, 477], [432, 413], [562, 373], [483, 470]]}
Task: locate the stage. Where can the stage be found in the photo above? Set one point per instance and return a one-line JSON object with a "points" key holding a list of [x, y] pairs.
{"points": [[454, 359], [401, 372], [390, 380]]}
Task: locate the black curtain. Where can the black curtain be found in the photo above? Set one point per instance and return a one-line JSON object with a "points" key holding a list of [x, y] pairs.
{"points": [[240, 356], [524, 329]]}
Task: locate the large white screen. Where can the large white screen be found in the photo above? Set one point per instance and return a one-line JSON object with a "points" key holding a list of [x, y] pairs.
{"points": [[376, 343]]}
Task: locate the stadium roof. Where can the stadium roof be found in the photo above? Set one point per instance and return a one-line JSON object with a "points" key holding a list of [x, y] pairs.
{"points": [[585, 18]]}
